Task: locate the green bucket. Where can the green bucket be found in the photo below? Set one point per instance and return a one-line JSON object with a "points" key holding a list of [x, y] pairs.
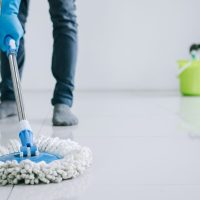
{"points": [[189, 76]]}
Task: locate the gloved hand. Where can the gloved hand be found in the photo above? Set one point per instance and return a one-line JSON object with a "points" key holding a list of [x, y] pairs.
{"points": [[9, 23]]}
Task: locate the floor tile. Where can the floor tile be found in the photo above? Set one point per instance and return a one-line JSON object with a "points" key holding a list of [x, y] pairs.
{"points": [[5, 192], [145, 146]]}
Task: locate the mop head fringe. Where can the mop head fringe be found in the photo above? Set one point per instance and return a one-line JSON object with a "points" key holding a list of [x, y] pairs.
{"points": [[75, 160]]}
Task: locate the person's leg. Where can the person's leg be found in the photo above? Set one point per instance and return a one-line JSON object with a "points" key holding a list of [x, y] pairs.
{"points": [[8, 105], [64, 59]]}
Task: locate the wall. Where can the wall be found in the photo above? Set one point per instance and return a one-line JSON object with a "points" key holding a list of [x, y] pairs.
{"points": [[129, 44]]}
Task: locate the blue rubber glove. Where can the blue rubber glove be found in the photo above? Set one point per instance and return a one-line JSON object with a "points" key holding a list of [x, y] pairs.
{"points": [[9, 22]]}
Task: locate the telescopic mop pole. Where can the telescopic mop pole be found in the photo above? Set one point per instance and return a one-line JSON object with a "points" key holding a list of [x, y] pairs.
{"points": [[26, 135]]}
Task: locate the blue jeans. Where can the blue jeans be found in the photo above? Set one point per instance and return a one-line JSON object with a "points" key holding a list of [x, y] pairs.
{"points": [[64, 57]]}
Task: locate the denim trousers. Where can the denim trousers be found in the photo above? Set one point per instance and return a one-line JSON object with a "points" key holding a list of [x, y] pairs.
{"points": [[64, 56]]}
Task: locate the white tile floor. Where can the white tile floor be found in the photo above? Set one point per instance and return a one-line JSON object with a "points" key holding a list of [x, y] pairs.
{"points": [[145, 145]]}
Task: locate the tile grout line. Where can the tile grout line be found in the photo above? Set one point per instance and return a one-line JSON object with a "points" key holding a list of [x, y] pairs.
{"points": [[10, 193]]}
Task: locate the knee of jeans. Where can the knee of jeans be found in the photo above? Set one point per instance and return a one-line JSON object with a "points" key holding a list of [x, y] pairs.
{"points": [[65, 27], [65, 21]]}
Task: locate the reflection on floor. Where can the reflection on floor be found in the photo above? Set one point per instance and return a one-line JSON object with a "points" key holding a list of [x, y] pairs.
{"points": [[145, 145]]}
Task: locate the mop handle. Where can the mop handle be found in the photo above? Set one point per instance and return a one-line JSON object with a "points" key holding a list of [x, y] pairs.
{"points": [[11, 53]]}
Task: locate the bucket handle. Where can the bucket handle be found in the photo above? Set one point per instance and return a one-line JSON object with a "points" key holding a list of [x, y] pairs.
{"points": [[182, 69]]}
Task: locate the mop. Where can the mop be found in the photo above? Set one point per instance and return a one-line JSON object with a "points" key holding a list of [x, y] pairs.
{"points": [[37, 160]]}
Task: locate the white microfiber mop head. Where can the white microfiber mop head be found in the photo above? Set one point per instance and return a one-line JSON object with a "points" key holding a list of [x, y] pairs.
{"points": [[75, 160]]}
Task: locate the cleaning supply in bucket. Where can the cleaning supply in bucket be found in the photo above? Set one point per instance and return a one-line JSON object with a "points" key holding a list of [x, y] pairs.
{"points": [[41, 159], [189, 73]]}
